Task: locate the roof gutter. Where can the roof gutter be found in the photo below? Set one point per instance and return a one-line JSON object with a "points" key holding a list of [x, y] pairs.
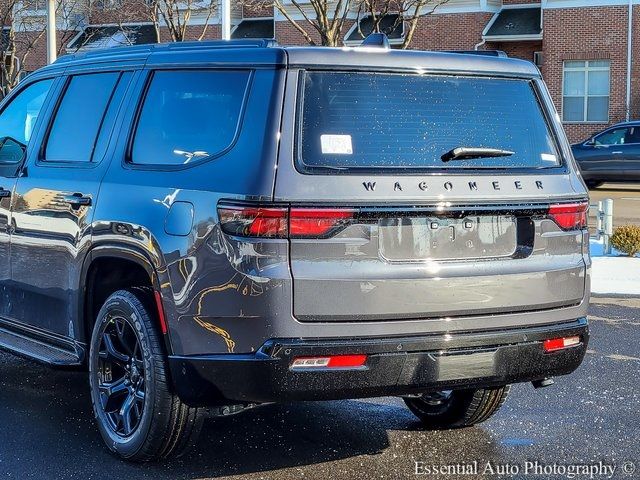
{"points": [[629, 58]]}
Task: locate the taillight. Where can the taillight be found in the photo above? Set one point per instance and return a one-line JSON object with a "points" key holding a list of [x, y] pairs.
{"points": [[317, 222], [570, 216], [254, 221], [283, 222]]}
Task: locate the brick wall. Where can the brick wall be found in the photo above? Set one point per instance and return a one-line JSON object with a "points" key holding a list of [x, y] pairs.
{"points": [[590, 33], [455, 31], [34, 45], [522, 50], [287, 34], [129, 12], [258, 9], [635, 65]]}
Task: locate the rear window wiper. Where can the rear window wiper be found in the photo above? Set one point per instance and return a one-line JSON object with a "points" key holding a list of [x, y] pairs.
{"points": [[465, 153]]}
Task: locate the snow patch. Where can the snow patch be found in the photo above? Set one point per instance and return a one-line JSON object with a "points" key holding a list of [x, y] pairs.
{"points": [[615, 274]]}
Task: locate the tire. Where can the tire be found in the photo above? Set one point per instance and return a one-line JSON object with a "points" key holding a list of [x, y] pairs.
{"points": [[456, 409], [593, 183], [128, 367]]}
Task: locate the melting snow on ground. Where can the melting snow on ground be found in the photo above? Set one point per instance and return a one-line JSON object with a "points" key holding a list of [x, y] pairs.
{"points": [[614, 274]]}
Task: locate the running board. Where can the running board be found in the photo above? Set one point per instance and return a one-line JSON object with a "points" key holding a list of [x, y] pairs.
{"points": [[36, 350]]}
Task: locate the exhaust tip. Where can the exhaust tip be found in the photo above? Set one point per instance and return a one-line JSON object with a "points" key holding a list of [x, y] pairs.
{"points": [[545, 382]]}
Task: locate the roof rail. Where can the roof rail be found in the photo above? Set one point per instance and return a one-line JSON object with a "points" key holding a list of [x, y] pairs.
{"points": [[486, 53], [154, 47]]}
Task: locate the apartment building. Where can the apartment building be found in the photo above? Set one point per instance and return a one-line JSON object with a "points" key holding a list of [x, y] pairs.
{"points": [[587, 50]]}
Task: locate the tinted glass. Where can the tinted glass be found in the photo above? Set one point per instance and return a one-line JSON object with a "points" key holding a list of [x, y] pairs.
{"points": [[109, 120], [19, 117], [393, 121], [617, 136], [79, 116], [188, 116]]}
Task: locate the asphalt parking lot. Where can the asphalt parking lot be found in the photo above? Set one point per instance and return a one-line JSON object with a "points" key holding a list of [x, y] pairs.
{"points": [[626, 201], [47, 430]]}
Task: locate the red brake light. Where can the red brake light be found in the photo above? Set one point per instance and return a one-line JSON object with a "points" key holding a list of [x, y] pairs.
{"points": [[555, 344], [570, 216], [317, 222], [254, 221], [281, 222]]}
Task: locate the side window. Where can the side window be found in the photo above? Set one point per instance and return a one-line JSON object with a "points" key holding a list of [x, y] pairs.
{"points": [[78, 118], [612, 137], [19, 117], [188, 115], [632, 136]]}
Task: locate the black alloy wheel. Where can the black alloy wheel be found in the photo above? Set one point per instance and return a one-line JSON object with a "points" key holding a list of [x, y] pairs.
{"points": [[139, 416], [121, 376]]}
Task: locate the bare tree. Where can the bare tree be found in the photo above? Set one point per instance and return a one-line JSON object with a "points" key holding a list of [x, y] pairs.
{"points": [[326, 19], [178, 15], [72, 16], [19, 40], [23, 31], [411, 13]]}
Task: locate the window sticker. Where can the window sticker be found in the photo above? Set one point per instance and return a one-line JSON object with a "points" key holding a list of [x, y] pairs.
{"points": [[547, 157], [336, 144]]}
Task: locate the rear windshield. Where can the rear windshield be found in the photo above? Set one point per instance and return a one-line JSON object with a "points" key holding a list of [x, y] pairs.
{"points": [[376, 121]]}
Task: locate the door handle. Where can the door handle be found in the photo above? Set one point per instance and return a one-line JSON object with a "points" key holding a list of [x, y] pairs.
{"points": [[78, 200], [5, 193]]}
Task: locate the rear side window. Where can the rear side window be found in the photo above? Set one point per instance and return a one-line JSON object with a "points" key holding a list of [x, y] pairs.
{"points": [[368, 121], [188, 116], [79, 116]]}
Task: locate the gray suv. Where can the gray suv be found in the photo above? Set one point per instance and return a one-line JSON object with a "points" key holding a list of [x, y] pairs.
{"points": [[211, 226]]}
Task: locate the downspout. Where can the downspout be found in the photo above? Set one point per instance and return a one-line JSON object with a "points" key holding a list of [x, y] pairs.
{"points": [[629, 58], [483, 7]]}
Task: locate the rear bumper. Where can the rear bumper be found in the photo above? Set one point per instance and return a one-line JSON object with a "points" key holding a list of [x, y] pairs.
{"points": [[395, 366]]}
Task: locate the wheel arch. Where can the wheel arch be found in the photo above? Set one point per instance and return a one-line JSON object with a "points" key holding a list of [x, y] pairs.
{"points": [[118, 256]]}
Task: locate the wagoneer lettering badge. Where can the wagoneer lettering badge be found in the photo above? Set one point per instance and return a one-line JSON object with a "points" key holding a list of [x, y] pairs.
{"points": [[450, 186]]}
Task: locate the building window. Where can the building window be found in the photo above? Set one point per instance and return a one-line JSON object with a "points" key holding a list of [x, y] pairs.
{"points": [[586, 89]]}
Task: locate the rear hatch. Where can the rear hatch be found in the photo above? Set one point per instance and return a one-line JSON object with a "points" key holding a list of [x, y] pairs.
{"points": [[419, 196]]}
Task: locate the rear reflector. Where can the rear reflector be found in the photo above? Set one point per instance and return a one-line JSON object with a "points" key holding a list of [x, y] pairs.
{"points": [[326, 363], [282, 222], [161, 318], [570, 216], [556, 344]]}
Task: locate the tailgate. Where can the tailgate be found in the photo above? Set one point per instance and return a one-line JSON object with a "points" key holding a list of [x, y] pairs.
{"points": [[387, 265], [420, 229]]}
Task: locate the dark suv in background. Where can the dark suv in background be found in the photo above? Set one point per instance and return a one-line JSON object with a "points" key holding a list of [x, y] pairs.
{"points": [[210, 226], [612, 155]]}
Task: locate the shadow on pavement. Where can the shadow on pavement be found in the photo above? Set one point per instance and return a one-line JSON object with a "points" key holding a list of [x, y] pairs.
{"points": [[48, 432]]}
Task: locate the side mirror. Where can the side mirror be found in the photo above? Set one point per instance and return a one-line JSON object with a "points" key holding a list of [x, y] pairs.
{"points": [[12, 153], [591, 142]]}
